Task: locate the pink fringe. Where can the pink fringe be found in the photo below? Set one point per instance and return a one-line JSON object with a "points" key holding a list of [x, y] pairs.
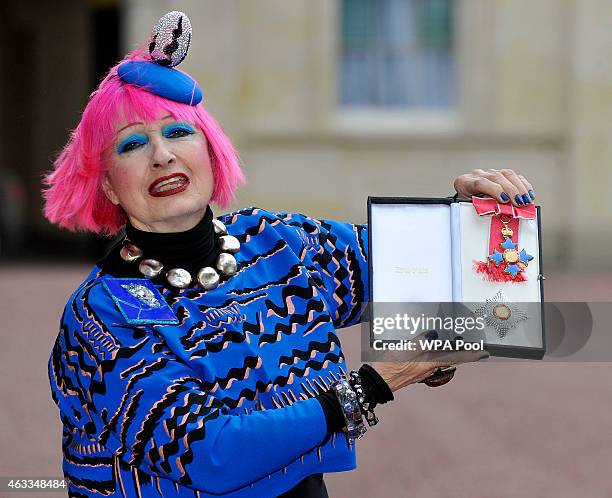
{"points": [[492, 273]]}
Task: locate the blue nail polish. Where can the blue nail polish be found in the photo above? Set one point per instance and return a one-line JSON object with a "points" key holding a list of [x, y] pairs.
{"points": [[532, 195], [432, 335], [504, 197], [519, 200], [526, 199]]}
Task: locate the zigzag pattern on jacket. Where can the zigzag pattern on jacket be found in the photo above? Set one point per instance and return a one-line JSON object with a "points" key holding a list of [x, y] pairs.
{"points": [[220, 404]]}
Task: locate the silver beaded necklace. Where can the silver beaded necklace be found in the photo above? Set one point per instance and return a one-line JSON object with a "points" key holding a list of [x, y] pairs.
{"points": [[207, 277]]}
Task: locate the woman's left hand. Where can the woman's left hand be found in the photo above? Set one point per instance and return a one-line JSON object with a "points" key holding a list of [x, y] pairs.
{"points": [[504, 185]]}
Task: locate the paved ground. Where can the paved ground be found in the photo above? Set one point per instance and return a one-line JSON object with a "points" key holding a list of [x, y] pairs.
{"points": [[497, 431]]}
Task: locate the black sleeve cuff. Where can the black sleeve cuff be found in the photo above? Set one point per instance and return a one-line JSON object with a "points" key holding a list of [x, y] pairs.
{"points": [[375, 387], [332, 410]]}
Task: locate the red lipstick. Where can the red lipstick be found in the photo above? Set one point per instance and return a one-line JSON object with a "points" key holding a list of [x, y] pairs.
{"points": [[169, 185]]}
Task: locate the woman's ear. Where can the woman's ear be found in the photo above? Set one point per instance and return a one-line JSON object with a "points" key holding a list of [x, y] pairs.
{"points": [[108, 190]]}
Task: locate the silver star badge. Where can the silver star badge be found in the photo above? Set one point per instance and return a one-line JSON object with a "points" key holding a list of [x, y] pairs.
{"points": [[501, 314]]}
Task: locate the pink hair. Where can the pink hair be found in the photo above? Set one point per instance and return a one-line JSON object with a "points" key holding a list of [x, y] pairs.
{"points": [[74, 198]]}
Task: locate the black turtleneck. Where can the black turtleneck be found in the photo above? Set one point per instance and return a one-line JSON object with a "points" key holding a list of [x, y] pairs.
{"points": [[192, 250]]}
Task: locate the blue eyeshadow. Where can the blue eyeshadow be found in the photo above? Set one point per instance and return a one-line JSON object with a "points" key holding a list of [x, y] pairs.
{"points": [[168, 130], [136, 139]]}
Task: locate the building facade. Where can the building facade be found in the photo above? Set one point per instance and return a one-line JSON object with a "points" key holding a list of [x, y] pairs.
{"points": [[508, 84]]}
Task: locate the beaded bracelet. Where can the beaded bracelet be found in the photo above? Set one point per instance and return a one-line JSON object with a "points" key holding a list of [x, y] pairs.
{"points": [[355, 428], [366, 406]]}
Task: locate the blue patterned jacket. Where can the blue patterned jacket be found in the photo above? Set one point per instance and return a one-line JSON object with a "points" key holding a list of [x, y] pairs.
{"points": [[220, 403]]}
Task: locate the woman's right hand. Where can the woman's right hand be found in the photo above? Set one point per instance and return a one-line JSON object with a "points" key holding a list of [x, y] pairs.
{"points": [[398, 374]]}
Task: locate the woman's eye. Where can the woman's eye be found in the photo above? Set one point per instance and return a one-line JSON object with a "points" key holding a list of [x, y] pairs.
{"points": [[130, 144], [178, 132]]}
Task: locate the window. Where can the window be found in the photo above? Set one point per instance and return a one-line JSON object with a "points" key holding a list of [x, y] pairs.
{"points": [[397, 54]]}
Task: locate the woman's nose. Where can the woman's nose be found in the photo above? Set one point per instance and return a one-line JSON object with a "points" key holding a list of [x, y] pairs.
{"points": [[162, 155]]}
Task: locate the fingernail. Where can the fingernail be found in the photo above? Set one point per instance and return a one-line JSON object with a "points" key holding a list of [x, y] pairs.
{"points": [[484, 357], [527, 199], [519, 200], [432, 335], [504, 197], [532, 195]]}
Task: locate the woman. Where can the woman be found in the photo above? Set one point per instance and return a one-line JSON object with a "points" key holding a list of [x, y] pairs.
{"points": [[199, 357]]}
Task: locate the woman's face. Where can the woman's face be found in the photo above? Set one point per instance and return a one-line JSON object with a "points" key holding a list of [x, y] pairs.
{"points": [[160, 174]]}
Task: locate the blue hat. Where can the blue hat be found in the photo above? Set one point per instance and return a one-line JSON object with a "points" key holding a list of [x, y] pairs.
{"points": [[168, 47]]}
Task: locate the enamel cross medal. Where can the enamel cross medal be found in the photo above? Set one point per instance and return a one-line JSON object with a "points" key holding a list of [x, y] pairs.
{"points": [[515, 262], [505, 261]]}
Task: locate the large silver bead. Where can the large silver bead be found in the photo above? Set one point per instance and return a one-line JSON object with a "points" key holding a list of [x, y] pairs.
{"points": [[229, 243], [227, 264], [178, 277], [170, 39], [208, 278], [219, 227], [130, 253], [150, 268]]}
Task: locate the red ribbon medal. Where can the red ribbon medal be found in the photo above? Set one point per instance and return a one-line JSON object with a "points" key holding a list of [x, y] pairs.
{"points": [[505, 262]]}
